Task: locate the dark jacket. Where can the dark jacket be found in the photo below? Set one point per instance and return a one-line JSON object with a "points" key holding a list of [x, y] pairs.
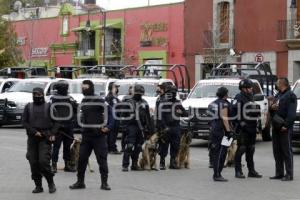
{"points": [[93, 115], [64, 111], [171, 110], [287, 107], [38, 118], [246, 121], [140, 115]]}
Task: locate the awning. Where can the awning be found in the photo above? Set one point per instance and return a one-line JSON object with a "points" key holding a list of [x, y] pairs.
{"points": [[79, 29], [110, 25]]}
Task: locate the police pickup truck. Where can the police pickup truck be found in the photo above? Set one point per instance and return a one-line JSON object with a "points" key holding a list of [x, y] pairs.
{"points": [[229, 75], [204, 93]]}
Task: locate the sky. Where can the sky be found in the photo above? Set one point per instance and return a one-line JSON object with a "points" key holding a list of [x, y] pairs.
{"points": [[119, 4]]}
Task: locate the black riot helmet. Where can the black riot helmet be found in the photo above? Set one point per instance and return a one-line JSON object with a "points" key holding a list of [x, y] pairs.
{"points": [[222, 92], [246, 83], [89, 90], [61, 87], [171, 92], [139, 89]]}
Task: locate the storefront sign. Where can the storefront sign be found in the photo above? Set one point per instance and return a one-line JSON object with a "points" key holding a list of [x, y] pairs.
{"points": [[39, 52], [147, 36]]}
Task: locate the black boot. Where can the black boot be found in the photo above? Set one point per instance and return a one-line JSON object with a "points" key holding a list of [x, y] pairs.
{"points": [[254, 174], [38, 186], [78, 185], [54, 167], [219, 178], [239, 174], [162, 164], [51, 185], [173, 164], [135, 166], [104, 184], [68, 167]]}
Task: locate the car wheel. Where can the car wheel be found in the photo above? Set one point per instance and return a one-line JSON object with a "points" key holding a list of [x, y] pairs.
{"points": [[266, 134]]}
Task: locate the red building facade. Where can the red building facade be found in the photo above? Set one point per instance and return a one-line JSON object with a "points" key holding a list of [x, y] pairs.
{"points": [[255, 30], [132, 36]]}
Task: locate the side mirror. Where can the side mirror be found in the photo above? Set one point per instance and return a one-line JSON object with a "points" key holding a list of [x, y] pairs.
{"points": [[183, 96], [6, 89], [258, 97]]}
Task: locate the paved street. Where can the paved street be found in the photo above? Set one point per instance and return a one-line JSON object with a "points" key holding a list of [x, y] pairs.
{"points": [[193, 184]]}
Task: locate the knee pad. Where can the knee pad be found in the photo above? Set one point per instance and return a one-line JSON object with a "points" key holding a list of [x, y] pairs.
{"points": [[129, 148]]}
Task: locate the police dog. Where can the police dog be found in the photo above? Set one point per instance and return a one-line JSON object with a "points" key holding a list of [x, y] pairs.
{"points": [[150, 149], [75, 149], [229, 162], [183, 156]]}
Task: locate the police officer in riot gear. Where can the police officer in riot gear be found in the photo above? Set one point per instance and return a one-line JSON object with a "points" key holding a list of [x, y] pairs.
{"points": [[169, 111], [122, 124], [161, 98], [112, 100], [65, 115], [138, 127], [283, 112], [95, 112], [41, 130], [246, 126], [220, 127]]}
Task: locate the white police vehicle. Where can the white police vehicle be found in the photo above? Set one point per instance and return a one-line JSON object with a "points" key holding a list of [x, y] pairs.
{"points": [[229, 75], [13, 102]]}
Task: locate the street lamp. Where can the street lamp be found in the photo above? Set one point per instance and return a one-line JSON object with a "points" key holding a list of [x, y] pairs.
{"points": [[104, 36]]}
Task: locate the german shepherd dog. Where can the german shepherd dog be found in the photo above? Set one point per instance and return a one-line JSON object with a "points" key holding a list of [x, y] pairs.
{"points": [[183, 156], [75, 149], [150, 150], [229, 162]]}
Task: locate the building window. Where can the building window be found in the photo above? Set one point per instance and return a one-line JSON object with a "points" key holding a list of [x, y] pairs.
{"points": [[223, 21], [87, 44], [65, 25], [113, 41]]}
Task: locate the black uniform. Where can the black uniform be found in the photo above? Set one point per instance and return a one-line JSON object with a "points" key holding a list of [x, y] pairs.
{"points": [[247, 130], [66, 128], [282, 145], [94, 114], [218, 151], [137, 129], [113, 134], [37, 118], [169, 106]]}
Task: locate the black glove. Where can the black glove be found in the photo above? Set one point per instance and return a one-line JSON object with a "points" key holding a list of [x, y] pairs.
{"points": [[229, 134]]}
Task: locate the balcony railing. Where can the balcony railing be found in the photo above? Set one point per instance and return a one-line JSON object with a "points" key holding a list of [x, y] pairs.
{"points": [[86, 53], [288, 30]]}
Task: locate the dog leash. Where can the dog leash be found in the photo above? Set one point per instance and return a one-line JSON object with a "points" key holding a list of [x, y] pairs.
{"points": [[68, 136]]}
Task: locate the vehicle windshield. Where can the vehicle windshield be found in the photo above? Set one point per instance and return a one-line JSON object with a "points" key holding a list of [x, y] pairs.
{"points": [[75, 88], [208, 90], [26, 86], [150, 88]]}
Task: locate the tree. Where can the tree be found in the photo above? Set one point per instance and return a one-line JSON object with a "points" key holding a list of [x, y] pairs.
{"points": [[10, 54]]}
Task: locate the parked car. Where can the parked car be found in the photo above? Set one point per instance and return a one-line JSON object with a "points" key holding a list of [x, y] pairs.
{"points": [[13, 102]]}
